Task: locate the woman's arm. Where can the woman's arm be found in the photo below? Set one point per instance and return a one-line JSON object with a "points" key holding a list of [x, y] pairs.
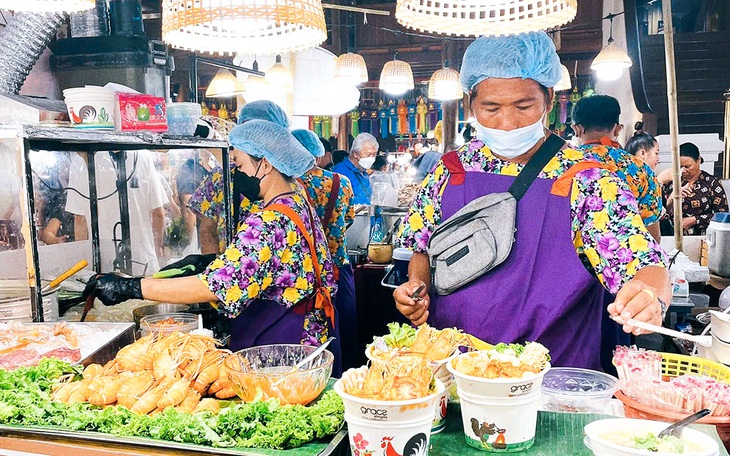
{"points": [[181, 290]]}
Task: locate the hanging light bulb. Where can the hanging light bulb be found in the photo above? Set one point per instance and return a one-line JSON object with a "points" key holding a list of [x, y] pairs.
{"points": [[444, 84], [396, 77], [565, 82], [224, 84], [256, 87], [47, 6], [280, 77], [491, 18], [611, 62], [243, 26], [350, 68]]}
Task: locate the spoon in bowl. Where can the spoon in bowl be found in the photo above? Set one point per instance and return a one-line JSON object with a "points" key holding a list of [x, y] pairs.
{"points": [[675, 428], [306, 360]]}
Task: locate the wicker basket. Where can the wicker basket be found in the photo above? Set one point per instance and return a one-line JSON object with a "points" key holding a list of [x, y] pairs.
{"points": [[674, 365]]}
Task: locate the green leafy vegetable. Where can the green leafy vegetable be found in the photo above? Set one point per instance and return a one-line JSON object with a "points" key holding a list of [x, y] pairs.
{"points": [[400, 335], [502, 347], [650, 442]]}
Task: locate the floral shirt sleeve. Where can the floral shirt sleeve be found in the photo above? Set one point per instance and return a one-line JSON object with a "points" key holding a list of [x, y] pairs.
{"points": [[608, 232], [269, 259], [639, 177]]}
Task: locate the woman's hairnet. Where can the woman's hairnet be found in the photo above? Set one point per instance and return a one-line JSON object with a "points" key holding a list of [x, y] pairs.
{"points": [[310, 141], [527, 55], [264, 139], [263, 110]]}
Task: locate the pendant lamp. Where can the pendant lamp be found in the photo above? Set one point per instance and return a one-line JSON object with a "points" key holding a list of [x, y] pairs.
{"points": [[444, 84], [350, 68], [484, 17], [47, 6], [280, 77], [224, 84], [243, 26], [565, 82], [256, 87], [396, 77], [611, 62]]}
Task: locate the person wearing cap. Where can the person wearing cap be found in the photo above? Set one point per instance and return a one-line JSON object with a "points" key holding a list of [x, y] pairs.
{"points": [[331, 195], [702, 193], [357, 164], [578, 230], [266, 277], [207, 200], [596, 125]]}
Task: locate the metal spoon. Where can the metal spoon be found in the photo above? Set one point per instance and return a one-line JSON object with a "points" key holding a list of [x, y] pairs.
{"points": [[307, 359], [701, 340], [675, 428]]}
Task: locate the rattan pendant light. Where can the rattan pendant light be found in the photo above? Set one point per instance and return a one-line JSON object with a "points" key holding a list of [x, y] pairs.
{"points": [[565, 83], [350, 68], [444, 84], [224, 84], [243, 26], [484, 17], [280, 77], [396, 77], [47, 6]]}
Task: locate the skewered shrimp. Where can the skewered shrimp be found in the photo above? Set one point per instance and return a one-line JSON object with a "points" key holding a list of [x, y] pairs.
{"points": [[148, 401], [208, 404], [175, 394], [191, 402], [133, 388], [108, 393], [131, 357], [63, 393], [93, 370], [221, 382]]}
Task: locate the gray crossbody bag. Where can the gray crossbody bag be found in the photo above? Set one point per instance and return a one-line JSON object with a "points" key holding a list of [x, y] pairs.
{"points": [[479, 236]]}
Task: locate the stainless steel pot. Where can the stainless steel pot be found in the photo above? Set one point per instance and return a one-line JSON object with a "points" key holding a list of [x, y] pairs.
{"points": [[718, 243]]}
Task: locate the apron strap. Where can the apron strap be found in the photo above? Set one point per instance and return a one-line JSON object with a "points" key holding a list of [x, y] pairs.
{"points": [[562, 186], [453, 164], [333, 199]]}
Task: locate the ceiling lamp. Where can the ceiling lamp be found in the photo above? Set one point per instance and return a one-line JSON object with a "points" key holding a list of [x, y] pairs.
{"points": [[47, 6], [279, 76], [256, 87], [396, 77], [243, 26], [565, 82], [350, 68], [224, 84], [445, 85], [611, 62], [491, 17]]}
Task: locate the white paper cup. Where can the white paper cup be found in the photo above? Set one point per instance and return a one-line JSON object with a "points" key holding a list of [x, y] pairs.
{"points": [[497, 387], [439, 419], [389, 426]]}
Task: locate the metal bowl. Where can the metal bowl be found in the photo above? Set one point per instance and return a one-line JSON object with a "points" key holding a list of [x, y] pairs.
{"points": [[161, 308]]}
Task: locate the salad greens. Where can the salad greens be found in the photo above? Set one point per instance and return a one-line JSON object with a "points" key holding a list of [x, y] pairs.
{"points": [[25, 400], [502, 347], [667, 444], [400, 335]]}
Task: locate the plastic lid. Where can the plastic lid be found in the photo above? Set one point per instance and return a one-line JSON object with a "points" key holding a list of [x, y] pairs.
{"points": [[582, 382], [721, 217], [402, 253]]}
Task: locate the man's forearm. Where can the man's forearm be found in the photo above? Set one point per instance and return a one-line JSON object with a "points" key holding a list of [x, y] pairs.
{"points": [[169, 290], [419, 268], [657, 277], [81, 231], [208, 236], [158, 228], [655, 230]]}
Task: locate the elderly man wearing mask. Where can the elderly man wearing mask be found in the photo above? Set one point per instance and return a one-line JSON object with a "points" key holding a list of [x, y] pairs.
{"points": [[355, 167], [267, 279], [576, 230]]}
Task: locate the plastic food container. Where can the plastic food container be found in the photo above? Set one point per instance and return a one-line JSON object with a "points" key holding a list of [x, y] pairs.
{"points": [[598, 438], [567, 389], [260, 368], [182, 118], [168, 323], [91, 107]]}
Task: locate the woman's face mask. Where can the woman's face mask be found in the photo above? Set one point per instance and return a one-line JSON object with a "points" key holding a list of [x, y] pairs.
{"points": [[248, 186], [513, 143]]}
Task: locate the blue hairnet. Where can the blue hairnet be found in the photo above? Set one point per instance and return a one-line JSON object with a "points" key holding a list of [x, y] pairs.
{"points": [[310, 141], [527, 55], [263, 110], [264, 139]]}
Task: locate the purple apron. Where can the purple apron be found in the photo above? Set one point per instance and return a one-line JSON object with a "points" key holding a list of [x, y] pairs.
{"points": [[345, 304], [542, 292]]}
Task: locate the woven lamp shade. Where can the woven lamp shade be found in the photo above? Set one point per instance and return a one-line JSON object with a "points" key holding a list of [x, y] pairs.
{"points": [[243, 26], [47, 6], [565, 82], [484, 17], [445, 85], [396, 77], [611, 62], [351, 68], [224, 84]]}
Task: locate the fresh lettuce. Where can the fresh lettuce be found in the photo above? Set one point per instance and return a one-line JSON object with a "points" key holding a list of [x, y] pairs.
{"points": [[400, 335], [502, 347]]}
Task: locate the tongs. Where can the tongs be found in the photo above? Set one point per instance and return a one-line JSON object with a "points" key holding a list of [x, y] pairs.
{"points": [[68, 273]]}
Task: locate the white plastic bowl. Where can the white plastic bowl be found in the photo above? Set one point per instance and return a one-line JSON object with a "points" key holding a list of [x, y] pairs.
{"points": [[91, 107], [721, 350], [720, 324], [597, 430]]}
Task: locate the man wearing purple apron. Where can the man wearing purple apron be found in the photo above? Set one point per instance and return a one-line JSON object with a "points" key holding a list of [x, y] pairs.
{"points": [[578, 227]]}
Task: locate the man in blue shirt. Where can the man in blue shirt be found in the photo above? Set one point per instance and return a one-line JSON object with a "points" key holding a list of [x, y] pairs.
{"points": [[354, 167]]}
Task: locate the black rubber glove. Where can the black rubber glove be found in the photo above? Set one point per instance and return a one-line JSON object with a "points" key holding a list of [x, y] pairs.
{"points": [[198, 263], [112, 289]]}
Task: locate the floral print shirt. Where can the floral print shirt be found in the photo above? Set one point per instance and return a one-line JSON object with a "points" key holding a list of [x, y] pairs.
{"points": [[708, 197], [270, 259], [318, 185], [608, 233], [639, 177]]}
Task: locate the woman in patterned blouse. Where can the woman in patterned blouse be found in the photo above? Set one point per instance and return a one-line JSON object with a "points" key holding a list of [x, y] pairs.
{"points": [[702, 193]]}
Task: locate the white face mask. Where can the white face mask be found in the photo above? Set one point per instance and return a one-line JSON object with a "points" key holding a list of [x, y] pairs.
{"points": [[513, 143], [366, 162]]}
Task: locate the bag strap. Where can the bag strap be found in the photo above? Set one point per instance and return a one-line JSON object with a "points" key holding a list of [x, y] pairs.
{"points": [[537, 162], [333, 199], [453, 164]]}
